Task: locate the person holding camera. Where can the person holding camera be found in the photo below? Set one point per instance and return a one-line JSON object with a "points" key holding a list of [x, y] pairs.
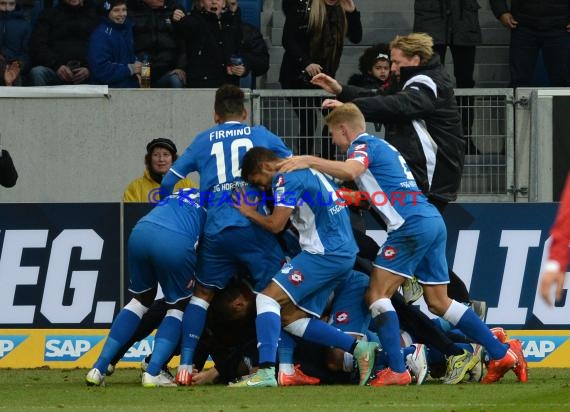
{"points": [[313, 39]]}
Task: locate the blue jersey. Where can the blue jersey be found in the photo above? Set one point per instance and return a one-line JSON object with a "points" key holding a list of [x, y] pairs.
{"points": [[388, 182], [179, 214], [321, 219], [217, 155]]}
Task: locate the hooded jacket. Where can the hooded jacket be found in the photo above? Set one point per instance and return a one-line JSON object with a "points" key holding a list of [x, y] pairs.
{"points": [[15, 33], [111, 50], [423, 122]]}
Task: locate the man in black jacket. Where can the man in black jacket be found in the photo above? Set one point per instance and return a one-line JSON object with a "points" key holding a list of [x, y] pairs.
{"points": [[155, 37], [537, 25], [58, 45], [422, 121]]}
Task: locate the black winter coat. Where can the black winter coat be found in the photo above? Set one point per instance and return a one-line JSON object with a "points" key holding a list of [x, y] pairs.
{"points": [[297, 38], [422, 121], [209, 45], [449, 21], [154, 35], [62, 34], [253, 50], [536, 14]]}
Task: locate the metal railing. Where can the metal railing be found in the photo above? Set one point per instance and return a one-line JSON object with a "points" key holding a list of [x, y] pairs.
{"points": [[487, 118]]}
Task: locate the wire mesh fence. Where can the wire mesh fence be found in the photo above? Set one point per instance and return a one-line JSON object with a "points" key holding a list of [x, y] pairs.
{"points": [[487, 119]]}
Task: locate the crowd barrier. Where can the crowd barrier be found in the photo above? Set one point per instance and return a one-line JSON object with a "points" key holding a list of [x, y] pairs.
{"points": [[63, 280]]}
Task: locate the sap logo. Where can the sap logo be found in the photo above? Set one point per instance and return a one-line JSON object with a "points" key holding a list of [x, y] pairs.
{"points": [[9, 342], [537, 348], [139, 350], [68, 348]]}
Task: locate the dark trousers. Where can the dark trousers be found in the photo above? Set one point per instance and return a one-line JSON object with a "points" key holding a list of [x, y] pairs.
{"points": [[525, 45], [463, 68]]}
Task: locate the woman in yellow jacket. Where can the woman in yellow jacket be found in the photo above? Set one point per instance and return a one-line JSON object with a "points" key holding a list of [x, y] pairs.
{"points": [[160, 154]]}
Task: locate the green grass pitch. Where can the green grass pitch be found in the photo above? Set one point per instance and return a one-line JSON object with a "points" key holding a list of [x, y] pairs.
{"points": [[65, 390]]}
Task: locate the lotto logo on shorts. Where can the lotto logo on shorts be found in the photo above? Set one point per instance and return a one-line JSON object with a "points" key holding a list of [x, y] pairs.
{"points": [[296, 277], [389, 252], [341, 317]]}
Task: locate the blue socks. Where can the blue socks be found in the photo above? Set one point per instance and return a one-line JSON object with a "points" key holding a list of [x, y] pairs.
{"points": [[322, 333], [165, 341], [389, 334], [268, 327], [193, 323], [123, 328]]}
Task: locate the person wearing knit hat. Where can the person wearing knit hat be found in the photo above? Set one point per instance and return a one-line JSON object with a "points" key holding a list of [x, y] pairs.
{"points": [[160, 154], [111, 52]]}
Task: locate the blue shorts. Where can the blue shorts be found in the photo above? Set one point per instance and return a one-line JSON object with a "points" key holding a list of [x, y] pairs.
{"points": [[157, 255], [417, 248], [310, 279], [349, 311], [224, 255]]}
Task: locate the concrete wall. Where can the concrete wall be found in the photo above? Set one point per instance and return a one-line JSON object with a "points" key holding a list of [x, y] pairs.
{"points": [[89, 149]]}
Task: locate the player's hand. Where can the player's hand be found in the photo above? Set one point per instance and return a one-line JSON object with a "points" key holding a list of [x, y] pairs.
{"points": [[327, 83], [204, 377], [294, 163], [331, 104], [508, 21], [245, 202], [547, 280]]}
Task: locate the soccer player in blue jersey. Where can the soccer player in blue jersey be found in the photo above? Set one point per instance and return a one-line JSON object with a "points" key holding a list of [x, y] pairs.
{"points": [[161, 250], [230, 240], [415, 244], [299, 292]]}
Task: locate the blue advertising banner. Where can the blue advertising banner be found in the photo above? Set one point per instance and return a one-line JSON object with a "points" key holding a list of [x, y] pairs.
{"points": [[498, 250]]}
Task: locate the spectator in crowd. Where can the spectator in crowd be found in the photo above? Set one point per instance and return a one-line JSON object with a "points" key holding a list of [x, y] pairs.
{"points": [[537, 25], [155, 37], [8, 173], [111, 54], [212, 39], [15, 33], [559, 255], [58, 45], [313, 39], [253, 51], [454, 24], [160, 154], [374, 67]]}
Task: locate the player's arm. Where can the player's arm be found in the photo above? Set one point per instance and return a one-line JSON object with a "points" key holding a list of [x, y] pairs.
{"points": [[179, 170], [345, 171], [275, 222]]}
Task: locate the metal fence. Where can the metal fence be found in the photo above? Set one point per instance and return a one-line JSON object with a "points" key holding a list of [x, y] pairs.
{"points": [[487, 118]]}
